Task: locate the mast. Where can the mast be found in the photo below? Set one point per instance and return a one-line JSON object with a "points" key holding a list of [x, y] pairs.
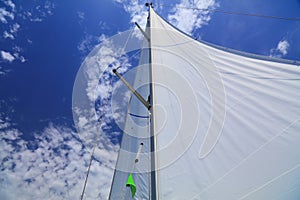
{"points": [[152, 116]]}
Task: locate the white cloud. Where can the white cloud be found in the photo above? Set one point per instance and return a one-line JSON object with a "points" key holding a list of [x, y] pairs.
{"points": [[19, 57], [36, 19], [7, 56], [53, 165], [283, 46], [15, 27], [11, 13], [11, 57], [10, 4], [137, 12], [87, 43], [185, 19], [4, 123], [5, 14], [39, 12], [103, 25], [13, 30], [107, 56], [49, 7], [93, 85], [2, 73], [188, 20], [8, 35], [120, 1], [22, 59], [281, 49], [136, 9]]}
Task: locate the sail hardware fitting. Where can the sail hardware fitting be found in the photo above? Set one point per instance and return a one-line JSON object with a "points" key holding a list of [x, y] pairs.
{"points": [[138, 153], [148, 4], [146, 103], [139, 116], [143, 32]]}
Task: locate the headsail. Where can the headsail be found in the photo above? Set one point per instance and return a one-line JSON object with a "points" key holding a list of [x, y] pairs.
{"points": [[226, 125], [134, 160]]}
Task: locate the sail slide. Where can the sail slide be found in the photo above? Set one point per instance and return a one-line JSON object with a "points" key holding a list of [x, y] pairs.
{"points": [[226, 125]]}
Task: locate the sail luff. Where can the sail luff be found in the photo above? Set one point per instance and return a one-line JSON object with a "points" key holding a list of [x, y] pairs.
{"points": [[154, 188], [237, 116]]}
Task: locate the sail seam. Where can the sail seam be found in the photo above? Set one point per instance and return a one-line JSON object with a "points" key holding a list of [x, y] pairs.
{"points": [[249, 156]]}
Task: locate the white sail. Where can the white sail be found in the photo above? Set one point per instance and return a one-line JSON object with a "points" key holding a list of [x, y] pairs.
{"points": [[226, 125], [136, 131]]}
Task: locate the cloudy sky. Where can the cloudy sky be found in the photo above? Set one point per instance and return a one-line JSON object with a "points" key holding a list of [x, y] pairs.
{"points": [[44, 43]]}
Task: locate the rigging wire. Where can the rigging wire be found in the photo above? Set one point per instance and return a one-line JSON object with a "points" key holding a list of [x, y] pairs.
{"points": [[96, 141], [101, 120], [237, 13], [97, 138]]}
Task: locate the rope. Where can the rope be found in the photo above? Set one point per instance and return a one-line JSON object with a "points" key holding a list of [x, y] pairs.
{"points": [[238, 13]]}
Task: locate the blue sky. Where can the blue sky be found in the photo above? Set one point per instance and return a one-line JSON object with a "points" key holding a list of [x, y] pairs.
{"points": [[42, 46]]}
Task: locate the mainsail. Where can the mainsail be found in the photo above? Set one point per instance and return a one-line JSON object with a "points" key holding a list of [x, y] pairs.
{"points": [[224, 125]]}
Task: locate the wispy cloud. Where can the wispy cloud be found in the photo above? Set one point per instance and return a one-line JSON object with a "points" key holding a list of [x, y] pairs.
{"points": [[281, 49], [187, 19], [81, 15], [87, 43], [103, 25], [39, 12]]}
